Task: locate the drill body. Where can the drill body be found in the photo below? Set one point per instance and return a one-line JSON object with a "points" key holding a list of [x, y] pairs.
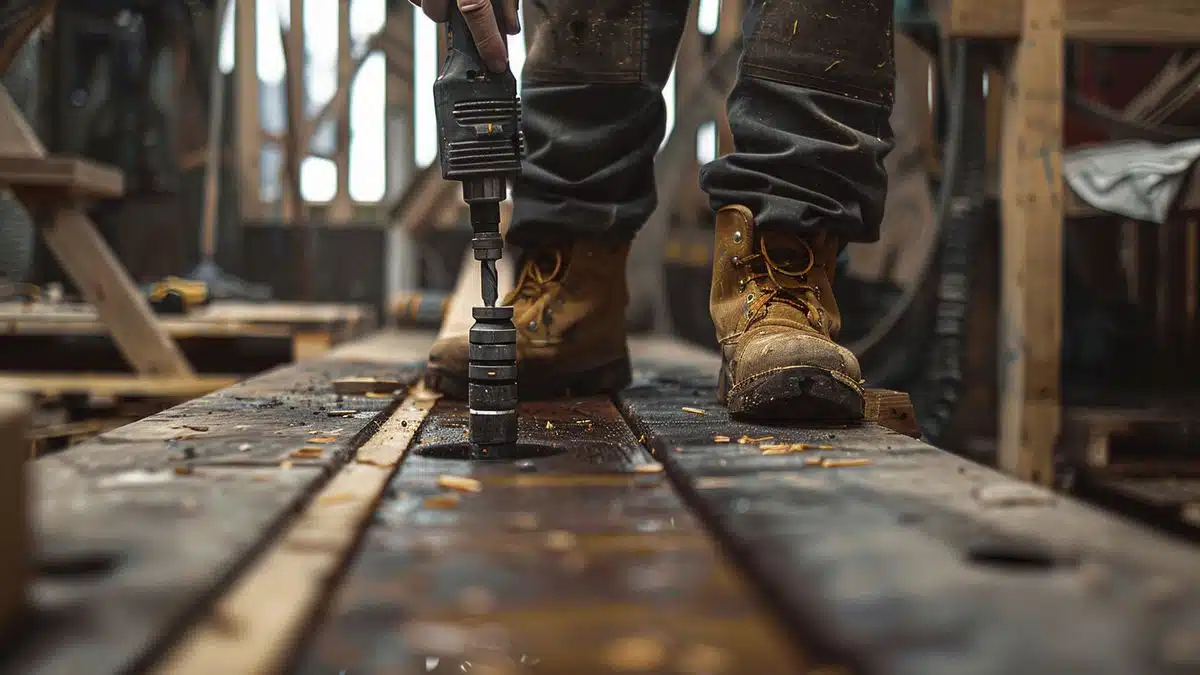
{"points": [[480, 144]]}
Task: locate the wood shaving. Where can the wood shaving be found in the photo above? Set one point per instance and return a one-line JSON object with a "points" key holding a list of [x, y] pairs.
{"points": [[341, 413], [704, 660], [322, 439], [721, 439], [635, 654], [642, 438], [339, 498], [195, 427], [649, 468], [307, 453], [285, 464], [833, 463], [813, 461], [694, 411], [447, 501], [184, 470], [789, 448], [380, 394], [524, 521], [549, 425], [460, 483], [713, 483], [749, 440], [560, 541]]}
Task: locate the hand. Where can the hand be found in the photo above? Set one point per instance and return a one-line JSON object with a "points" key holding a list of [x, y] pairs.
{"points": [[481, 20]]}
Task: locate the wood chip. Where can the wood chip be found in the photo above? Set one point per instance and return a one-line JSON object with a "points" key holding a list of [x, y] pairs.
{"points": [[721, 439], [834, 463], [635, 654], [694, 411], [524, 521], [339, 498], [341, 413], [560, 541], [642, 438], [713, 483], [748, 440], [460, 483], [649, 468], [549, 425], [381, 394], [195, 427], [788, 448], [322, 440], [359, 386], [813, 461], [307, 453], [184, 470], [286, 464], [447, 501]]}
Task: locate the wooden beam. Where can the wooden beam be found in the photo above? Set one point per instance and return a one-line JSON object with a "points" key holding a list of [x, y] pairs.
{"points": [[729, 30], [341, 210], [16, 539], [1147, 22], [92, 265], [249, 126], [1031, 272], [297, 133]]}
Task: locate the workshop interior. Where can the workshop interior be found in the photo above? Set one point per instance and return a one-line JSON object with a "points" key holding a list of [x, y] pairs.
{"points": [[231, 231]]}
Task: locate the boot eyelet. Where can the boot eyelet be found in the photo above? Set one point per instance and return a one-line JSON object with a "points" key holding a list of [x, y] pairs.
{"points": [[737, 237], [532, 325], [735, 261], [741, 284], [750, 298]]}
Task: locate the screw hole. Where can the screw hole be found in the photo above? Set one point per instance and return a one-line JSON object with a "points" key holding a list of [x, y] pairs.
{"points": [[85, 564], [1017, 557]]}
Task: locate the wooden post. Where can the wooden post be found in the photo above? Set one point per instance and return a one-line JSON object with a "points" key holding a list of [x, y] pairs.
{"points": [[729, 30], [341, 210], [16, 544], [249, 126], [1031, 273], [296, 138]]}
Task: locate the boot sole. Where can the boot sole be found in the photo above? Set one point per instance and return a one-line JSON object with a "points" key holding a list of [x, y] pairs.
{"points": [[795, 393], [606, 379]]}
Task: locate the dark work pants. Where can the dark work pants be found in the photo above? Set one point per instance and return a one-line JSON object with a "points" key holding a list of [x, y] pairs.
{"points": [[809, 114]]}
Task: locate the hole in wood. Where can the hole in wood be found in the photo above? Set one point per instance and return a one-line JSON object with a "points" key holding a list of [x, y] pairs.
{"points": [[77, 565], [472, 452], [1015, 556]]}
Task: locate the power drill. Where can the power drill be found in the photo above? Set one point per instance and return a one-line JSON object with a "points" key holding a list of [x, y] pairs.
{"points": [[480, 143]]}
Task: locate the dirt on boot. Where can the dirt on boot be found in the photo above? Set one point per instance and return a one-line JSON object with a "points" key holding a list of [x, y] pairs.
{"points": [[569, 312], [776, 319]]}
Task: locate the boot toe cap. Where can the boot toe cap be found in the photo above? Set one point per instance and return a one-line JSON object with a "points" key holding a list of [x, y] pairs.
{"points": [[771, 348]]}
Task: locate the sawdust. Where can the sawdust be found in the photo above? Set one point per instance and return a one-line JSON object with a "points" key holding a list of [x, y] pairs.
{"points": [[460, 483]]}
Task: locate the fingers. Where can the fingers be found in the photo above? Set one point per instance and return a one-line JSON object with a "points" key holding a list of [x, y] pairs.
{"points": [[512, 16], [438, 10], [481, 21]]}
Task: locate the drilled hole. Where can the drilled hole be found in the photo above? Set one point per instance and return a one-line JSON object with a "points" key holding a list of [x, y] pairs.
{"points": [[1015, 557], [77, 565], [470, 451]]}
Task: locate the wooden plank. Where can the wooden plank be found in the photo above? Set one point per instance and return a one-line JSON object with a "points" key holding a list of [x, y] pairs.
{"points": [[168, 509], [908, 559], [276, 600], [1150, 22], [73, 177], [582, 562], [297, 132], [109, 384], [16, 545], [1032, 248]]}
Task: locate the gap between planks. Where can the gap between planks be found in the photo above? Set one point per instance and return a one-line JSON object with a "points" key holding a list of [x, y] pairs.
{"points": [[257, 625]]}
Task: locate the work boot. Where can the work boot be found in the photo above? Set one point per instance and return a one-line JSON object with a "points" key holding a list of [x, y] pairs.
{"points": [[776, 318], [569, 312]]}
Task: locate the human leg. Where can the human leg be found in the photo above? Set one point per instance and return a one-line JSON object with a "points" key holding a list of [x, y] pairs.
{"points": [[809, 115]]}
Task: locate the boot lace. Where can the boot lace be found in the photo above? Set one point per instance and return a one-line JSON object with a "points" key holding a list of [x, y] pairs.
{"points": [[781, 268], [537, 287]]}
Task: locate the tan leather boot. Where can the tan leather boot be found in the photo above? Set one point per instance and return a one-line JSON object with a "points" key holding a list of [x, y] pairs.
{"points": [[776, 319], [569, 311]]}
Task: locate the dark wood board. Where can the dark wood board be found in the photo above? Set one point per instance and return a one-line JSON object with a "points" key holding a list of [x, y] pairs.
{"points": [[584, 562], [140, 527], [921, 562]]}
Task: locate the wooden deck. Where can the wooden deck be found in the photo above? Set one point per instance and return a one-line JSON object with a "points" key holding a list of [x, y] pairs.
{"points": [[278, 526]]}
